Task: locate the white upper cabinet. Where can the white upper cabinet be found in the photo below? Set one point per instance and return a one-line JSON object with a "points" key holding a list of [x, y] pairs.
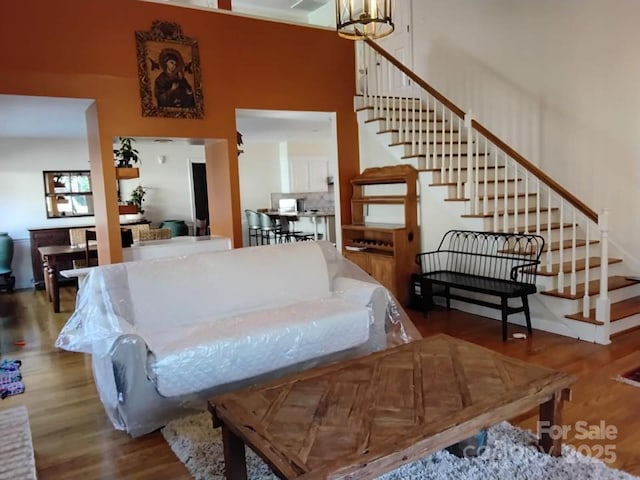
{"points": [[308, 174]]}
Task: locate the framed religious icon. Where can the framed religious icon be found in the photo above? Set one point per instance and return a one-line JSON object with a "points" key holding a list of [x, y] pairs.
{"points": [[169, 72]]}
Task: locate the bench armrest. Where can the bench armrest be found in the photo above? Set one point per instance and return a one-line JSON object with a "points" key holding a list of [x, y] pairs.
{"points": [[431, 261], [527, 272]]}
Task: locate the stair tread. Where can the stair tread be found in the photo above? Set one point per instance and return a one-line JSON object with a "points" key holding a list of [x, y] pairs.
{"points": [[594, 262], [454, 184], [395, 130], [490, 198], [615, 282], [396, 144], [403, 108], [424, 155], [431, 120], [461, 168], [619, 310], [511, 211], [580, 242]]}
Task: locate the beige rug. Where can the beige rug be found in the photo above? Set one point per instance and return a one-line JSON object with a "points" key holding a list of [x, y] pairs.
{"points": [[509, 456], [16, 448]]}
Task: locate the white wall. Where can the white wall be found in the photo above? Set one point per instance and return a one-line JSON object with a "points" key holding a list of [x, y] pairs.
{"points": [[169, 186], [259, 170], [557, 80], [22, 203]]}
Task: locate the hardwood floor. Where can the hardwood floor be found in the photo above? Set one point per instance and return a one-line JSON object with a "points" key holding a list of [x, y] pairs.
{"points": [[73, 438]]}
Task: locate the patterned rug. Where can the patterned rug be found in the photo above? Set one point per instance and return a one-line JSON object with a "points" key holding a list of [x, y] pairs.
{"points": [[10, 378], [510, 454], [16, 449]]}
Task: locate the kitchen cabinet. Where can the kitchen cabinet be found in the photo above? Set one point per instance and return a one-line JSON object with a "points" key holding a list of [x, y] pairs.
{"points": [[308, 174], [385, 251]]}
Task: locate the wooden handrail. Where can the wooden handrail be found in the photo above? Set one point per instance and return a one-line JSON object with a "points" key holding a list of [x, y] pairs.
{"points": [[543, 177], [444, 100]]}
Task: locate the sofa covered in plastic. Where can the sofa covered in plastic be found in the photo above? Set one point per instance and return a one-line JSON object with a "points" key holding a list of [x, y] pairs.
{"points": [[166, 334]]}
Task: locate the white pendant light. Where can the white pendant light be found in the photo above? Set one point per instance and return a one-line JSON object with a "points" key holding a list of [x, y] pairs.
{"points": [[360, 19]]}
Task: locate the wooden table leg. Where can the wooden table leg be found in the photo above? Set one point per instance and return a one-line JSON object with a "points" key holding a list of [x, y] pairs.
{"points": [[235, 466], [551, 422], [45, 275], [55, 288]]}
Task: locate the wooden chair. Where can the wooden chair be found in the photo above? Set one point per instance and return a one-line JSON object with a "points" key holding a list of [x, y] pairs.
{"points": [[89, 259]]}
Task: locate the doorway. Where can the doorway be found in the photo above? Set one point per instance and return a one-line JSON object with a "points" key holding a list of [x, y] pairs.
{"points": [[200, 199]]}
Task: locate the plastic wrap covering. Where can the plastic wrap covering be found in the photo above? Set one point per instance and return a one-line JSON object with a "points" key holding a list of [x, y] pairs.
{"points": [[167, 334]]}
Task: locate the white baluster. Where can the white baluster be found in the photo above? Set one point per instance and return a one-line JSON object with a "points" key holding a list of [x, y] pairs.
{"points": [[413, 124], [459, 192], [450, 153], [505, 216], [428, 162], [603, 304], [496, 217], [485, 193], [561, 285], [549, 254], [586, 302], [574, 234], [470, 186], [515, 199], [526, 202], [538, 207]]}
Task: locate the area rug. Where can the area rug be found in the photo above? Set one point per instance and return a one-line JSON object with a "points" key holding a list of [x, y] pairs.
{"points": [[510, 454], [10, 378], [632, 377], [16, 449]]}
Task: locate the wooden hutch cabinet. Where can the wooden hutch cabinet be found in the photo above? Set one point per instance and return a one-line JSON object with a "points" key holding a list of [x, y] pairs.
{"points": [[385, 251]]}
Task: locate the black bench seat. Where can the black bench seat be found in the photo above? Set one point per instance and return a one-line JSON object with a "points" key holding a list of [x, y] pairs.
{"points": [[489, 263]]}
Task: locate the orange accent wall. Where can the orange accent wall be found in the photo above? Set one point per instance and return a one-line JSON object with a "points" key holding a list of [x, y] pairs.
{"points": [[86, 49]]}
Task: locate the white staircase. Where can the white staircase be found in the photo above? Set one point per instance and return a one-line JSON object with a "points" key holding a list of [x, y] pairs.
{"points": [[470, 179]]}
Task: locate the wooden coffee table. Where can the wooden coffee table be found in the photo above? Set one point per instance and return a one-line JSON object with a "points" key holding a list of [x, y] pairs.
{"points": [[367, 416]]}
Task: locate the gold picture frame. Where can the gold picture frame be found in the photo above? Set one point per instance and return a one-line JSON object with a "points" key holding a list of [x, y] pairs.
{"points": [[169, 72]]}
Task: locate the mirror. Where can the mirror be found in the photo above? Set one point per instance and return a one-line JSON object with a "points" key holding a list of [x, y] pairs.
{"points": [[68, 193]]}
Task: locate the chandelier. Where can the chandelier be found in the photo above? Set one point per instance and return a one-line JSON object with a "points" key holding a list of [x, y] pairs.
{"points": [[360, 19]]}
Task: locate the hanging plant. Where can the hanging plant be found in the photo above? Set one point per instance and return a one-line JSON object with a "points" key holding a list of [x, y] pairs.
{"points": [[126, 155]]}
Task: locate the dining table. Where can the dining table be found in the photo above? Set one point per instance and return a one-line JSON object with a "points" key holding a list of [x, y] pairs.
{"points": [[52, 257]]}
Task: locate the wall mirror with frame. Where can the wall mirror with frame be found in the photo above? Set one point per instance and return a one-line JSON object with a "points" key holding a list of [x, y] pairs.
{"points": [[68, 193]]}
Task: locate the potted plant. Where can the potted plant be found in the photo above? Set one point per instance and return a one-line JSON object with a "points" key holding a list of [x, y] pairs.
{"points": [[137, 197], [124, 158], [126, 155]]}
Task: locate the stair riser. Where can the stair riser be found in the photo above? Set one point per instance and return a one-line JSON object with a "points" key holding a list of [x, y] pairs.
{"points": [[521, 222], [361, 102], [550, 283], [625, 324], [437, 149], [452, 175], [434, 137], [565, 306], [505, 203], [411, 121]]}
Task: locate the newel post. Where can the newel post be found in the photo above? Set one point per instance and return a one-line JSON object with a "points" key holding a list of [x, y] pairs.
{"points": [[470, 185], [603, 304]]}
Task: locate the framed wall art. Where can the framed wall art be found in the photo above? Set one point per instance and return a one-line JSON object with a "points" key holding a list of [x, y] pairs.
{"points": [[169, 72]]}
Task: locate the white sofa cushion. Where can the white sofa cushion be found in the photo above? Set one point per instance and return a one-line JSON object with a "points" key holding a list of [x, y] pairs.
{"points": [[204, 287], [237, 347]]}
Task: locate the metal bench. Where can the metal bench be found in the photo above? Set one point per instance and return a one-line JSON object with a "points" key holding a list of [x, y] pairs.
{"points": [[490, 263]]}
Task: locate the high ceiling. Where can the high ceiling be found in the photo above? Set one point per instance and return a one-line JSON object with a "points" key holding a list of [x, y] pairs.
{"points": [[287, 10]]}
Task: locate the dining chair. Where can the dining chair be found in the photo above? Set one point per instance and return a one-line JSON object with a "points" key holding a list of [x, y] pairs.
{"points": [[90, 236], [268, 229], [253, 224]]}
